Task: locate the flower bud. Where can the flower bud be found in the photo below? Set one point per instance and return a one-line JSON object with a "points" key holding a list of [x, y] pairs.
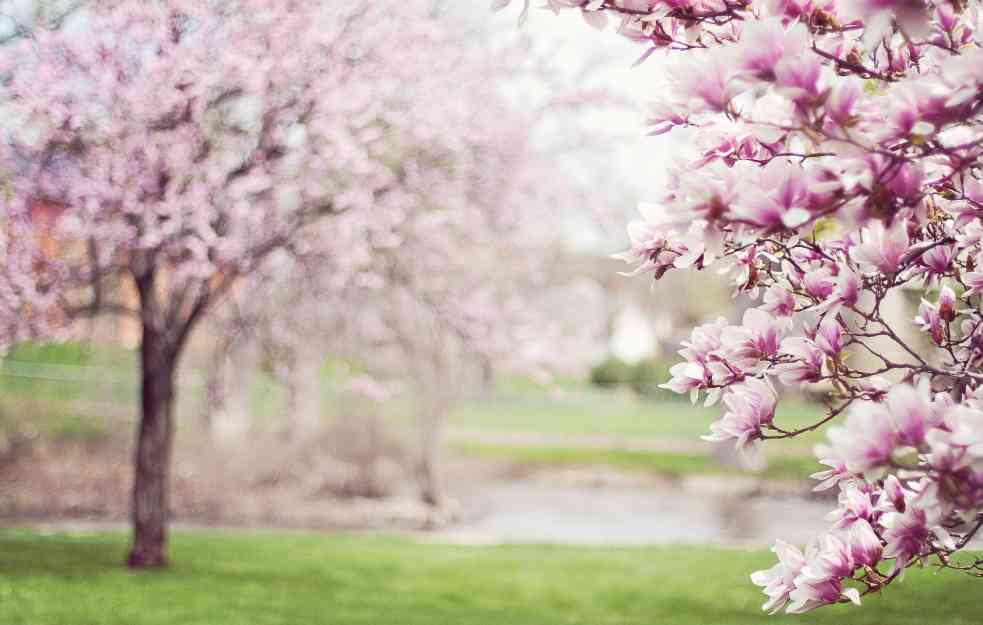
{"points": [[947, 304]]}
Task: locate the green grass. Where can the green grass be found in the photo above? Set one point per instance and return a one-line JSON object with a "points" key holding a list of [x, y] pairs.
{"points": [[63, 408], [671, 464], [348, 580], [591, 411]]}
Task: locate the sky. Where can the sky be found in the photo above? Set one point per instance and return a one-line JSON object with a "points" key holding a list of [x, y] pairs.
{"points": [[626, 166]]}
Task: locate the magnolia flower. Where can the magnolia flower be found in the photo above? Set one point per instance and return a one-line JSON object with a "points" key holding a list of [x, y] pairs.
{"points": [[947, 304], [882, 248], [831, 476], [829, 336], [708, 80], [828, 561], [749, 406], [908, 533], [908, 409], [756, 338], [686, 377], [937, 261], [865, 545], [779, 301], [866, 440], [779, 581], [930, 321], [805, 364], [967, 429], [765, 43], [974, 280], [649, 249], [842, 98], [854, 505], [704, 340], [818, 283], [893, 495]]}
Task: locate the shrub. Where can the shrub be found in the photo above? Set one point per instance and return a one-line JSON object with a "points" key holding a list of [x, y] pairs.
{"points": [[610, 373]]}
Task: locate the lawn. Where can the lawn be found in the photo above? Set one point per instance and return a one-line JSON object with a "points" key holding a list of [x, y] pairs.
{"points": [[668, 463], [301, 579], [592, 411], [69, 391]]}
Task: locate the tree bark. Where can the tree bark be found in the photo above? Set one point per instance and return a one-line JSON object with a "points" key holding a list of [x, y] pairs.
{"points": [[431, 491], [149, 510]]}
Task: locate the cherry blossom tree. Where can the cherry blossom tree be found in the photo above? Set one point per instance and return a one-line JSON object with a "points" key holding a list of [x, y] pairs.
{"points": [[840, 168], [154, 154], [445, 277]]}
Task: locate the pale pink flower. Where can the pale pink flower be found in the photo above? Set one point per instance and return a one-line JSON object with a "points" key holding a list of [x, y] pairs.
{"points": [[818, 283], [909, 409], [893, 495], [937, 261], [829, 336], [755, 339], [806, 364], [865, 546], [930, 321], [842, 98], [708, 79], [882, 248], [866, 440], [831, 476], [766, 42], [947, 304], [778, 201], [820, 582], [749, 406], [779, 301], [686, 377], [779, 581], [909, 533], [974, 280], [967, 429], [854, 504]]}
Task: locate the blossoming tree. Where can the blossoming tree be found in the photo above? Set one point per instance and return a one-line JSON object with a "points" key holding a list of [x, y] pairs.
{"points": [[155, 153], [842, 167], [444, 276]]}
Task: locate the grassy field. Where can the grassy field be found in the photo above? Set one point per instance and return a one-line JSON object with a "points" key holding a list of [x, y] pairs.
{"points": [[592, 411], [668, 463], [73, 392], [361, 580]]}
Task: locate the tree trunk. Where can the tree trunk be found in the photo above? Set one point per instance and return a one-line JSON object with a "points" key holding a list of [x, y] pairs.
{"points": [[431, 492], [153, 454]]}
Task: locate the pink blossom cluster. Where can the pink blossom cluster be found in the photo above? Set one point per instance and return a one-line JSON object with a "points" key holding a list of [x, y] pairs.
{"points": [[183, 143], [838, 170], [910, 473]]}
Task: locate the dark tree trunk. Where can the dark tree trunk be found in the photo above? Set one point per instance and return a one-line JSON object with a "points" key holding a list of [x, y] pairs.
{"points": [[149, 510], [431, 492]]}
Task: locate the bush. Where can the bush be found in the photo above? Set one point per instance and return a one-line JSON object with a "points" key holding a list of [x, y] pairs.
{"points": [[647, 375], [611, 373]]}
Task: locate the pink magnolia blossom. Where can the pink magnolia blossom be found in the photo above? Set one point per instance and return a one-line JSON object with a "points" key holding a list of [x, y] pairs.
{"points": [[779, 581], [779, 301], [929, 320], [947, 304], [908, 534], [805, 363], [749, 406], [836, 174], [829, 336], [882, 248], [866, 440]]}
